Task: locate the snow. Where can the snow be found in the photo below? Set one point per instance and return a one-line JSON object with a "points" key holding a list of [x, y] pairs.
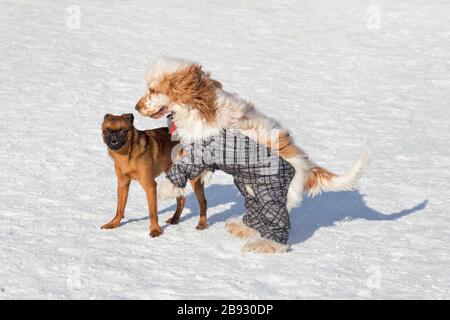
{"points": [[323, 68]]}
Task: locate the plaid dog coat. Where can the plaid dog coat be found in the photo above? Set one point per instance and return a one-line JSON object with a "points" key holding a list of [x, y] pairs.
{"points": [[261, 176]]}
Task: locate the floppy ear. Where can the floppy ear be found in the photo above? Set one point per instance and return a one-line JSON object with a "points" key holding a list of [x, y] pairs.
{"points": [[182, 85], [193, 87], [205, 99], [129, 117], [107, 116]]}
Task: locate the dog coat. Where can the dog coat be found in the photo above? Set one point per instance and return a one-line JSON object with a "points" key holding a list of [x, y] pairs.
{"points": [[260, 175]]}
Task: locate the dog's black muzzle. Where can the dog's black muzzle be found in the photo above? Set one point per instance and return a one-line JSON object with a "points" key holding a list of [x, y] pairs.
{"points": [[115, 141]]}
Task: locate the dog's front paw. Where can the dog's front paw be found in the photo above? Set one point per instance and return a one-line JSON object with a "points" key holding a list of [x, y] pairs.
{"points": [[264, 246], [111, 225], [173, 220], [155, 232], [238, 229], [201, 226]]}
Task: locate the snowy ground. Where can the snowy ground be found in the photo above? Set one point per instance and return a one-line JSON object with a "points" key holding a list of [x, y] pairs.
{"points": [[323, 68]]}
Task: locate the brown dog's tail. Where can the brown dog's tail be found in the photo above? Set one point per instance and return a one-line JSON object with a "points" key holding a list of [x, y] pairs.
{"points": [[319, 179]]}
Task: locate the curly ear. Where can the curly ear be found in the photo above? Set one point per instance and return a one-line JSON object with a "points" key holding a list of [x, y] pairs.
{"points": [[192, 86], [182, 85], [205, 99], [107, 116], [128, 117]]}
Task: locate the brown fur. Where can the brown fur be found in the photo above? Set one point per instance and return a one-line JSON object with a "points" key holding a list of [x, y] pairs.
{"points": [[283, 146], [143, 157], [141, 103], [317, 176], [287, 149], [194, 87]]}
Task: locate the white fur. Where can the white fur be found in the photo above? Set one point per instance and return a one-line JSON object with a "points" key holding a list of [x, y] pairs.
{"points": [[346, 181], [255, 243], [206, 177], [167, 190], [157, 100], [237, 227], [190, 126], [161, 66], [153, 102], [295, 192], [261, 245]]}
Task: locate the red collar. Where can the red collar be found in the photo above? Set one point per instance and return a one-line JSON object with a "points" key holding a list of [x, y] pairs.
{"points": [[172, 127], [171, 123]]}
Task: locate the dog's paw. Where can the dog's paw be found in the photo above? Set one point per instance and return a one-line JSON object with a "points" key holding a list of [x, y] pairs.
{"points": [[264, 246], [156, 232], [201, 226], [111, 225], [173, 220], [238, 229]]}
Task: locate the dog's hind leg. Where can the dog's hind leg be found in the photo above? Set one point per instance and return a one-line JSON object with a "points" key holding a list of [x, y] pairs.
{"points": [[264, 246], [175, 219], [237, 228], [199, 190], [149, 185]]}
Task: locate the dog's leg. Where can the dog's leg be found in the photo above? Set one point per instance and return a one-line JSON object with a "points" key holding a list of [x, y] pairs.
{"points": [[237, 228], [122, 196], [262, 245], [150, 190], [175, 219], [199, 190]]}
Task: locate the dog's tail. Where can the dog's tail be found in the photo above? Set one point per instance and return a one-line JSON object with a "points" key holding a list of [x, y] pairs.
{"points": [[319, 179]]}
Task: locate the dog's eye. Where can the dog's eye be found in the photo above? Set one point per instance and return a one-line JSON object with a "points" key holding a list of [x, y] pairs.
{"points": [[105, 131], [123, 131]]}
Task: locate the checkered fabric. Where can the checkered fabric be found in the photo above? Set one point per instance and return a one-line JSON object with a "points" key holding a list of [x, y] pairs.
{"points": [[261, 176]]}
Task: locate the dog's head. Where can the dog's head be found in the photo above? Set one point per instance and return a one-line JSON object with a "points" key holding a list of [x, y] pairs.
{"points": [[117, 130], [175, 84]]}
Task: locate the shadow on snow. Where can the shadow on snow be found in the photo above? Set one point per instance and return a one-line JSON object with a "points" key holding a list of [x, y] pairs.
{"points": [[325, 210]]}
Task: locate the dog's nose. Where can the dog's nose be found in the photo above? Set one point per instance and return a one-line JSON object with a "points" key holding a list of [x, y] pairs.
{"points": [[137, 107]]}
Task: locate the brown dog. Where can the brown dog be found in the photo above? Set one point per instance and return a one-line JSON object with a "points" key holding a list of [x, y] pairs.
{"points": [[142, 156]]}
